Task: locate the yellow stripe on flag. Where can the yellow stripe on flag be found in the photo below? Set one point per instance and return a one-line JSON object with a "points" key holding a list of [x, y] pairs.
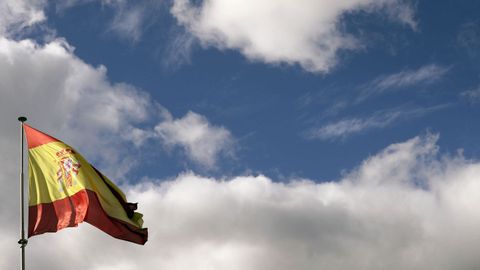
{"points": [[46, 167]]}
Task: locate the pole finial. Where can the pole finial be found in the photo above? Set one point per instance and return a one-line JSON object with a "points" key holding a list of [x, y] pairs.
{"points": [[22, 119]]}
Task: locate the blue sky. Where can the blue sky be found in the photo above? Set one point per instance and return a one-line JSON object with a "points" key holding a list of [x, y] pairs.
{"points": [[271, 108], [258, 135]]}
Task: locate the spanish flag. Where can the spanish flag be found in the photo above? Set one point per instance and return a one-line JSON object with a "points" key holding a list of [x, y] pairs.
{"points": [[66, 190]]}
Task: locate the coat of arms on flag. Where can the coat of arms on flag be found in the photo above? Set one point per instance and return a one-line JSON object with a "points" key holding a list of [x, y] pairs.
{"points": [[68, 169]]}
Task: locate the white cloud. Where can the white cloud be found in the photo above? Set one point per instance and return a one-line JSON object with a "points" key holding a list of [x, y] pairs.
{"points": [[16, 15], [381, 119], [328, 97], [128, 23], [468, 38], [472, 95], [306, 32], [63, 95], [404, 208], [202, 142], [132, 18], [424, 75], [347, 127], [179, 49]]}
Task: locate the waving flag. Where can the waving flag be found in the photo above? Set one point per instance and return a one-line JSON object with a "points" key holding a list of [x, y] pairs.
{"points": [[66, 190]]}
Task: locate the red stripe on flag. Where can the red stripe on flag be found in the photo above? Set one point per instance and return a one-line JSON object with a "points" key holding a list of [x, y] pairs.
{"points": [[82, 206], [52, 217], [36, 138]]}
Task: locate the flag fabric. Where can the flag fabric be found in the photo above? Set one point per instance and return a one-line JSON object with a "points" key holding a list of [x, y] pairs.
{"points": [[65, 190]]}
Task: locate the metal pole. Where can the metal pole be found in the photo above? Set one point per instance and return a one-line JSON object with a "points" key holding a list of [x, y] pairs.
{"points": [[23, 242]]}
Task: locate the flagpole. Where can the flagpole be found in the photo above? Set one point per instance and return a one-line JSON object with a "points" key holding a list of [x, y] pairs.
{"points": [[23, 242]]}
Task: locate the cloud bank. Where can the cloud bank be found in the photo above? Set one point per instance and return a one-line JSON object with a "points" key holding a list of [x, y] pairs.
{"points": [[307, 32], [406, 207]]}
